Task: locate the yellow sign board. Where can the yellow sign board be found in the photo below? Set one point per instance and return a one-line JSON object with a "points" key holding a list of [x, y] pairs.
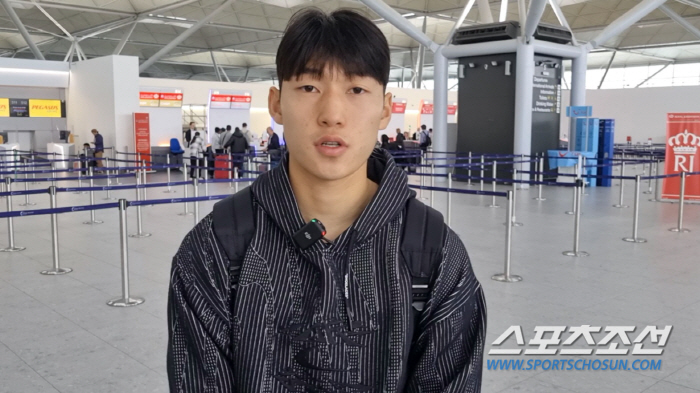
{"points": [[4, 107], [44, 108]]}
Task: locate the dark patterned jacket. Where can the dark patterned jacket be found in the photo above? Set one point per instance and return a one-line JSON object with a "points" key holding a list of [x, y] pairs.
{"points": [[336, 317]]}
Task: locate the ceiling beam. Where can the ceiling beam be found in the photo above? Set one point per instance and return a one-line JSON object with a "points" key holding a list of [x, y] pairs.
{"points": [[679, 19], [124, 39], [22, 30], [182, 37], [51, 4]]}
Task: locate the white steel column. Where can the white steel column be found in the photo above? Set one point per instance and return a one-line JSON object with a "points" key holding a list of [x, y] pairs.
{"points": [[440, 71], [625, 21], [680, 20], [524, 72], [578, 88], [125, 39], [485, 15]]}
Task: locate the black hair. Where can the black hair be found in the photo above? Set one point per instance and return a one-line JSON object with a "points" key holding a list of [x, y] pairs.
{"points": [[385, 138], [245, 125], [216, 129], [237, 129], [228, 128], [344, 39], [196, 133]]}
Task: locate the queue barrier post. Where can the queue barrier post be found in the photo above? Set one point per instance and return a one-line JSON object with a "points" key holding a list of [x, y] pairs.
{"points": [[145, 179], [109, 181], [577, 224], [652, 169], [506, 276], [540, 163], [432, 182], [469, 170], [235, 176], [514, 222], [481, 174], [126, 300], [657, 186], [167, 163], [635, 220], [26, 188], [139, 218], [92, 200], [620, 204], [187, 211], [195, 184], [57, 269], [493, 186], [206, 181], [681, 201], [10, 224], [449, 198]]}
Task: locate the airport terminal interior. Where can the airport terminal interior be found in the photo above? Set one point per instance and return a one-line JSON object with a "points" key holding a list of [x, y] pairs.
{"points": [[560, 140]]}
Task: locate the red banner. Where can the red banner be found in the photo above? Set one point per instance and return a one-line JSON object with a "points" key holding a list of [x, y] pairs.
{"points": [[682, 146], [426, 109], [147, 98], [452, 109], [398, 107], [142, 134]]}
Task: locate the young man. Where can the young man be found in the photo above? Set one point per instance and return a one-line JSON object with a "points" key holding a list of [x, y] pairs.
{"points": [[399, 136], [333, 315]]}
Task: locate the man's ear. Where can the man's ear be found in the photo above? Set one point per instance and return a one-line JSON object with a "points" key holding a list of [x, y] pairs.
{"points": [[273, 104], [386, 111]]}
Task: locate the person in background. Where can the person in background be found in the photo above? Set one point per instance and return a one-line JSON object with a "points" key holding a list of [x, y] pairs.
{"points": [[405, 136], [99, 148], [248, 135], [85, 163], [196, 155], [385, 141], [189, 133], [216, 138], [423, 138], [237, 145], [273, 147], [399, 136], [225, 136]]}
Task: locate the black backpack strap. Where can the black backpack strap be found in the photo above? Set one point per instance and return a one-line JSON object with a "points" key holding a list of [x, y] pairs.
{"points": [[234, 227], [421, 248]]}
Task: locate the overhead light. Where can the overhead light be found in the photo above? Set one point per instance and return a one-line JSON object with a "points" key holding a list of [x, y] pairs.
{"points": [[472, 65], [29, 71], [407, 15], [494, 63]]}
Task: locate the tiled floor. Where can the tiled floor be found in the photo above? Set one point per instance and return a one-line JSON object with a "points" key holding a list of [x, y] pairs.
{"points": [[57, 334]]}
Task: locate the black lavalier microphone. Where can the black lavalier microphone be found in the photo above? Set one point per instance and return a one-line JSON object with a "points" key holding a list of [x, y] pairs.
{"points": [[309, 234]]}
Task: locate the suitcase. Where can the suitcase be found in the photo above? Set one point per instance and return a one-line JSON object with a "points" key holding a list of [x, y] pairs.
{"points": [[221, 162]]}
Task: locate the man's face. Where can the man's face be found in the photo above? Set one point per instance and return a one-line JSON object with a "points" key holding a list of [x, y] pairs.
{"points": [[330, 124]]}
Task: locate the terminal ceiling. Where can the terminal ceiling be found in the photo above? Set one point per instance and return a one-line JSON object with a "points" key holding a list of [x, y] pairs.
{"points": [[243, 37]]}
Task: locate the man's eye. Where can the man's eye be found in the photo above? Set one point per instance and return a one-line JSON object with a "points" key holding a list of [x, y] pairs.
{"points": [[358, 90], [308, 88]]}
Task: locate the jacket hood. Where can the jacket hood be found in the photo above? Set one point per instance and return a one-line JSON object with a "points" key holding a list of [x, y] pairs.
{"points": [[273, 191], [237, 133]]}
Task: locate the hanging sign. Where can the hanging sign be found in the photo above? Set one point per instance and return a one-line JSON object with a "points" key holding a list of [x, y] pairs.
{"points": [[682, 154], [398, 107]]}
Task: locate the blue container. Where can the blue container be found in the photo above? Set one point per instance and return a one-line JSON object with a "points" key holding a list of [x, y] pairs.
{"points": [[606, 145]]}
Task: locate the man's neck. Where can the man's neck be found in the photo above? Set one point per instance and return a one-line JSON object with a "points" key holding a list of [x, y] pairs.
{"points": [[336, 203]]}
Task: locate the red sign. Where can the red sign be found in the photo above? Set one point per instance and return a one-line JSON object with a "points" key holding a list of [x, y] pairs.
{"points": [[398, 107], [426, 109], [142, 134], [240, 98], [171, 99], [451, 109], [220, 98], [682, 146], [148, 98]]}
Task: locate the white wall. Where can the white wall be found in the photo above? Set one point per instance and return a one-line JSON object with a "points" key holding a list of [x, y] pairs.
{"points": [[36, 73], [639, 113], [103, 94]]}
